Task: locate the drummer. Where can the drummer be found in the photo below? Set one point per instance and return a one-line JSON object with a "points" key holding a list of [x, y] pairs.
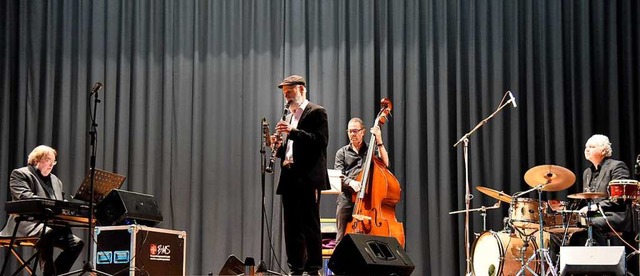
{"points": [[596, 178]]}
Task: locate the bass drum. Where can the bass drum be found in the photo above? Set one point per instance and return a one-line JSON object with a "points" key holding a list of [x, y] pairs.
{"points": [[499, 253]]}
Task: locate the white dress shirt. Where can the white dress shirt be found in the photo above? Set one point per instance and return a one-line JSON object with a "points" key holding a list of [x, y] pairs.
{"points": [[288, 156]]}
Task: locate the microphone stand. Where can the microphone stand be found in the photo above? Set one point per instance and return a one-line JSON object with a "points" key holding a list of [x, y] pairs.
{"points": [[467, 195], [93, 132], [262, 267], [263, 162]]}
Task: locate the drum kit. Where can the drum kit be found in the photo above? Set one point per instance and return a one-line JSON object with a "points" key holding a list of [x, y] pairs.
{"points": [[522, 247]]}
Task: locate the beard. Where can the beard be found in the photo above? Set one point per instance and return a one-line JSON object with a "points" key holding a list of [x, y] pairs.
{"points": [[296, 102]]}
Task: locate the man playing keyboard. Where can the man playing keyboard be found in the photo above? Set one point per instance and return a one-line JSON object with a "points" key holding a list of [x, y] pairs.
{"points": [[36, 181]]}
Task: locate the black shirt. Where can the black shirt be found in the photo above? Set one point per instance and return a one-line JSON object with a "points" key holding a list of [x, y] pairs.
{"points": [[350, 163], [595, 172], [46, 183]]}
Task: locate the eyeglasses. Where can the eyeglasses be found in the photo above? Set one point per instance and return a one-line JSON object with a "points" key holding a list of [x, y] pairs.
{"points": [[49, 160], [354, 131]]}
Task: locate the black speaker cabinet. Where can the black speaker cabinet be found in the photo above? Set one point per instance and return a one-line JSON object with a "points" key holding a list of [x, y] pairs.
{"points": [[359, 254], [121, 207]]}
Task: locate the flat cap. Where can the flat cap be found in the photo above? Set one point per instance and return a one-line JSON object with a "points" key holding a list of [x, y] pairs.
{"points": [[293, 80]]}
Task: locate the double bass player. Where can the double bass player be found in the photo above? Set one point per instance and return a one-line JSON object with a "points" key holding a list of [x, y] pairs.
{"points": [[379, 190], [349, 160]]}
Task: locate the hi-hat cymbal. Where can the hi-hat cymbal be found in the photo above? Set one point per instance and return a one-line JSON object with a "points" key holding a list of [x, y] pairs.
{"points": [[554, 178], [587, 195], [495, 194]]}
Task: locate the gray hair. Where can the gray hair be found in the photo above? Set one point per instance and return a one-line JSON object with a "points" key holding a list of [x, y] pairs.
{"points": [[357, 120], [603, 142]]}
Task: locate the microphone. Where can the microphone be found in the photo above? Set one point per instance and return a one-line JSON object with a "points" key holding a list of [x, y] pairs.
{"points": [[637, 166], [513, 99], [265, 132], [96, 88]]}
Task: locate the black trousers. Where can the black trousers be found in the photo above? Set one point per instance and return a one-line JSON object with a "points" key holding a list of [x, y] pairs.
{"points": [[62, 238], [344, 212], [302, 235]]}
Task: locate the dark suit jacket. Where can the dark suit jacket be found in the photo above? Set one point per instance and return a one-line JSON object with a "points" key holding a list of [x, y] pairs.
{"points": [[309, 170], [611, 169], [24, 183]]}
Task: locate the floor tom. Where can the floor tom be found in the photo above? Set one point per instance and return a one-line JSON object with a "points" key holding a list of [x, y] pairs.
{"points": [[557, 222]]}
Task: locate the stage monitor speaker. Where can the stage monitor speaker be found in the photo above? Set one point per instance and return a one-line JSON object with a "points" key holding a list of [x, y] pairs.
{"points": [[121, 207], [592, 260], [359, 254]]}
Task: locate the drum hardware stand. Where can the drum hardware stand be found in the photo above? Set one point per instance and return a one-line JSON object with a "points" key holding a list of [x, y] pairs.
{"points": [[590, 241], [523, 260], [483, 213], [467, 194], [542, 252], [636, 215]]}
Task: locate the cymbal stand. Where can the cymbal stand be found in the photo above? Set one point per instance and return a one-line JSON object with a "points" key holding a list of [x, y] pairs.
{"points": [[542, 253], [467, 194]]}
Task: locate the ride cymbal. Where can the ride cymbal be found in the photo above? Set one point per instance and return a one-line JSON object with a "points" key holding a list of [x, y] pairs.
{"points": [[553, 178], [587, 195], [495, 194]]}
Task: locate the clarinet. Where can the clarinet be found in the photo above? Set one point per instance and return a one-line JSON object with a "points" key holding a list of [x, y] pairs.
{"points": [[272, 159]]}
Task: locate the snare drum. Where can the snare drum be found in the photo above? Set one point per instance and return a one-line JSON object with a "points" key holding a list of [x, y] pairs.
{"points": [[557, 222], [524, 213], [498, 253], [623, 189]]}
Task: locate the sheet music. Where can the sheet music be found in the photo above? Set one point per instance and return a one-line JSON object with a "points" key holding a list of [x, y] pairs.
{"points": [[335, 180]]}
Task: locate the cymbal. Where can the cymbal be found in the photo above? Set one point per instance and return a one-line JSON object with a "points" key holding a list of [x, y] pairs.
{"points": [[587, 195], [554, 178], [495, 194]]}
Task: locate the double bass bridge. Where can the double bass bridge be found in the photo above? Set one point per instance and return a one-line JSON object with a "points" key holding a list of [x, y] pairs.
{"points": [[361, 217]]}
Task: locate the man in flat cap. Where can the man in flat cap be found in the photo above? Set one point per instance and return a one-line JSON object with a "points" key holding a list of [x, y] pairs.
{"points": [[303, 159]]}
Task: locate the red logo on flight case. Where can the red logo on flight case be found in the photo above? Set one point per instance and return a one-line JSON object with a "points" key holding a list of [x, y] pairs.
{"points": [[159, 252]]}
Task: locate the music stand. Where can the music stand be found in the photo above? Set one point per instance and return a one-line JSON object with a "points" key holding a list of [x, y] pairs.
{"points": [[103, 183]]}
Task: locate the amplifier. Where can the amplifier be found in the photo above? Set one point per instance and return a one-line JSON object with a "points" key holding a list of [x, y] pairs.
{"points": [[140, 250]]}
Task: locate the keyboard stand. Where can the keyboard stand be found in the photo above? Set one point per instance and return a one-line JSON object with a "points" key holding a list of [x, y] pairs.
{"points": [[36, 256]]}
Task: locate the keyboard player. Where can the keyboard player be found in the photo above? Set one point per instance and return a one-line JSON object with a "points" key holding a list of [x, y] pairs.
{"points": [[36, 181]]}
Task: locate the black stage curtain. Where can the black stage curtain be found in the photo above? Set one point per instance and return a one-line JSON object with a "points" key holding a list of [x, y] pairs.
{"points": [[186, 84]]}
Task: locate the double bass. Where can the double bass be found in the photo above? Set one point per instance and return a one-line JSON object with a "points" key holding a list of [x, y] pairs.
{"points": [[375, 203]]}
